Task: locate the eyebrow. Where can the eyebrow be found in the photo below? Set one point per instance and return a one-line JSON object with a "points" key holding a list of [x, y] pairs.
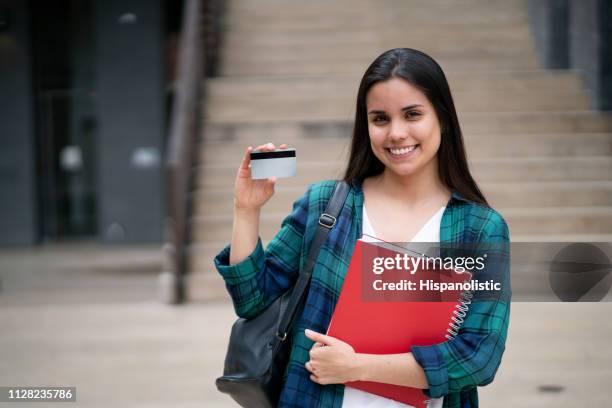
{"points": [[403, 109]]}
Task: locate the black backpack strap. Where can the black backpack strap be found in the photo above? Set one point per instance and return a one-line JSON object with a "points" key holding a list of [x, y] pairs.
{"points": [[327, 220]]}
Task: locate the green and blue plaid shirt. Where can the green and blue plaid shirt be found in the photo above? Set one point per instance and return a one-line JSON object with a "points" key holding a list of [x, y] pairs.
{"points": [[453, 368]]}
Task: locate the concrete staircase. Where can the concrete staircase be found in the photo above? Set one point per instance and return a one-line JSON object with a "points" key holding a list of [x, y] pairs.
{"points": [[290, 73]]}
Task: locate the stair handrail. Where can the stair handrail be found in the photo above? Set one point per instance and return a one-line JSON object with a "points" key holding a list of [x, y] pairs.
{"points": [[196, 57]]}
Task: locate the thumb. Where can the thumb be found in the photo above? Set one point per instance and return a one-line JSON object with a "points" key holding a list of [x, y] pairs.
{"points": [[321, 338]]}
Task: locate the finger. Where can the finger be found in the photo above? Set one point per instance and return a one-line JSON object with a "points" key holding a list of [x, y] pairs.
{"points": [[246, 159], [270, 183], [318, 344], [283, 146], [309, 367], [265, 146], [319, 380], [321, 338]]}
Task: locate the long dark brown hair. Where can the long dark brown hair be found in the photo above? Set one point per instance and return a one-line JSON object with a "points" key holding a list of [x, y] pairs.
{"points": [[420, 70]]}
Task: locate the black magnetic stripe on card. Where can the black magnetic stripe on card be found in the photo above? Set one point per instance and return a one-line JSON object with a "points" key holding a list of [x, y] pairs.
{"points": [[272, 155]]}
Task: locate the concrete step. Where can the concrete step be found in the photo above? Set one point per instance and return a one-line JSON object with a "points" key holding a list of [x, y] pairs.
{"points": [[569, 168], [437, 47], [303, 23], [525, 145], [530, 194], [540, 168], [425, 37], [312, 17], [559, 220], [358, 36], [347, 85], [477, 145], [539, 220], [265, 128], [255, 65], [263, 6], [205, 286], [288, 105]]}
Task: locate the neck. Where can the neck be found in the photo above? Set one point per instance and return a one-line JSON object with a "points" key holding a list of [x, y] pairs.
{"points": [[416, 190]]}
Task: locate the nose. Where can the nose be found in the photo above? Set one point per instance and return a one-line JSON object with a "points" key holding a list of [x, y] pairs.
{"points": [[398, 131]]}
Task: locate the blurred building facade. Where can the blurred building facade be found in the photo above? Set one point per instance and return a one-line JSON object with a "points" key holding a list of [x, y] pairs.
{"points": [[576, 34], [83, 108]]}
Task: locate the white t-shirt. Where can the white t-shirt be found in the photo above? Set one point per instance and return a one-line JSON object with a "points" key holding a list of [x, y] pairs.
{"points": [[354, 398]]}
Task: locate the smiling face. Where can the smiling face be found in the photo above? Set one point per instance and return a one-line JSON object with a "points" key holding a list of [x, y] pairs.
{"points": [[403, 126]]}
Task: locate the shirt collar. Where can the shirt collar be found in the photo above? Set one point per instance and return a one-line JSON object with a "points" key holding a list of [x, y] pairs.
{"points": [[455, 195]]}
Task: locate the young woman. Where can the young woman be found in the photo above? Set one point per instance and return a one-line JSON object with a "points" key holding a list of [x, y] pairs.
{"points": [[409, 182]]}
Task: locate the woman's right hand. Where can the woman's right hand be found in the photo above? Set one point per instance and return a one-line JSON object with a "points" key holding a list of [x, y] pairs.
{"points": [[249, 194]]}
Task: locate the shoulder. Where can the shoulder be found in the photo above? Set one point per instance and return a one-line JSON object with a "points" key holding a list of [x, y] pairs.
{"points": [[320, 192], [496, 228], [316, 192], [487, 221], [321, 189]]}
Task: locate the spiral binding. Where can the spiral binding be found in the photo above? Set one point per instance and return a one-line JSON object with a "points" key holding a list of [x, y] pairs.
{"points": [[459, 314]]}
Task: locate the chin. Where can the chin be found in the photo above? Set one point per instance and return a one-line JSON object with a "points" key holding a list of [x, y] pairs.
{"points": [[402, 171]]}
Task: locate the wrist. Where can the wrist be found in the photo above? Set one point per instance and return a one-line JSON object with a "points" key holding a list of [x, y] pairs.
{"points": [[360, 369], [246, 212]]}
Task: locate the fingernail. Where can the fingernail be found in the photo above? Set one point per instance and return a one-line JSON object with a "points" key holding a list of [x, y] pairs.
{"points": [[308, 331]]}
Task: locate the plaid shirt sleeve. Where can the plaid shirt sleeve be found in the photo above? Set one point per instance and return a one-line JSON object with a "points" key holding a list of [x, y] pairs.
{"points": [[471, 359], [260, 278]]}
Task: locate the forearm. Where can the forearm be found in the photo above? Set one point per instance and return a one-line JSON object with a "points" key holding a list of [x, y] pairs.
{"points": [[245, 233], [397, 369]]}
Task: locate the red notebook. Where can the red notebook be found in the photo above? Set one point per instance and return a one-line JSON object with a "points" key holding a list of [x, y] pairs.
{"points": [[371, 325]]}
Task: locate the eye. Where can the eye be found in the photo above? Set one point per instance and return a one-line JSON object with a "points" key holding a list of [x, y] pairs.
{"points": [[379, 119], [412, 114]]}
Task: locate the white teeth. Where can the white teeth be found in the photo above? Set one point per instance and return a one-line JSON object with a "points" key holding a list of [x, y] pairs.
{"points": [[403, 150]]}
